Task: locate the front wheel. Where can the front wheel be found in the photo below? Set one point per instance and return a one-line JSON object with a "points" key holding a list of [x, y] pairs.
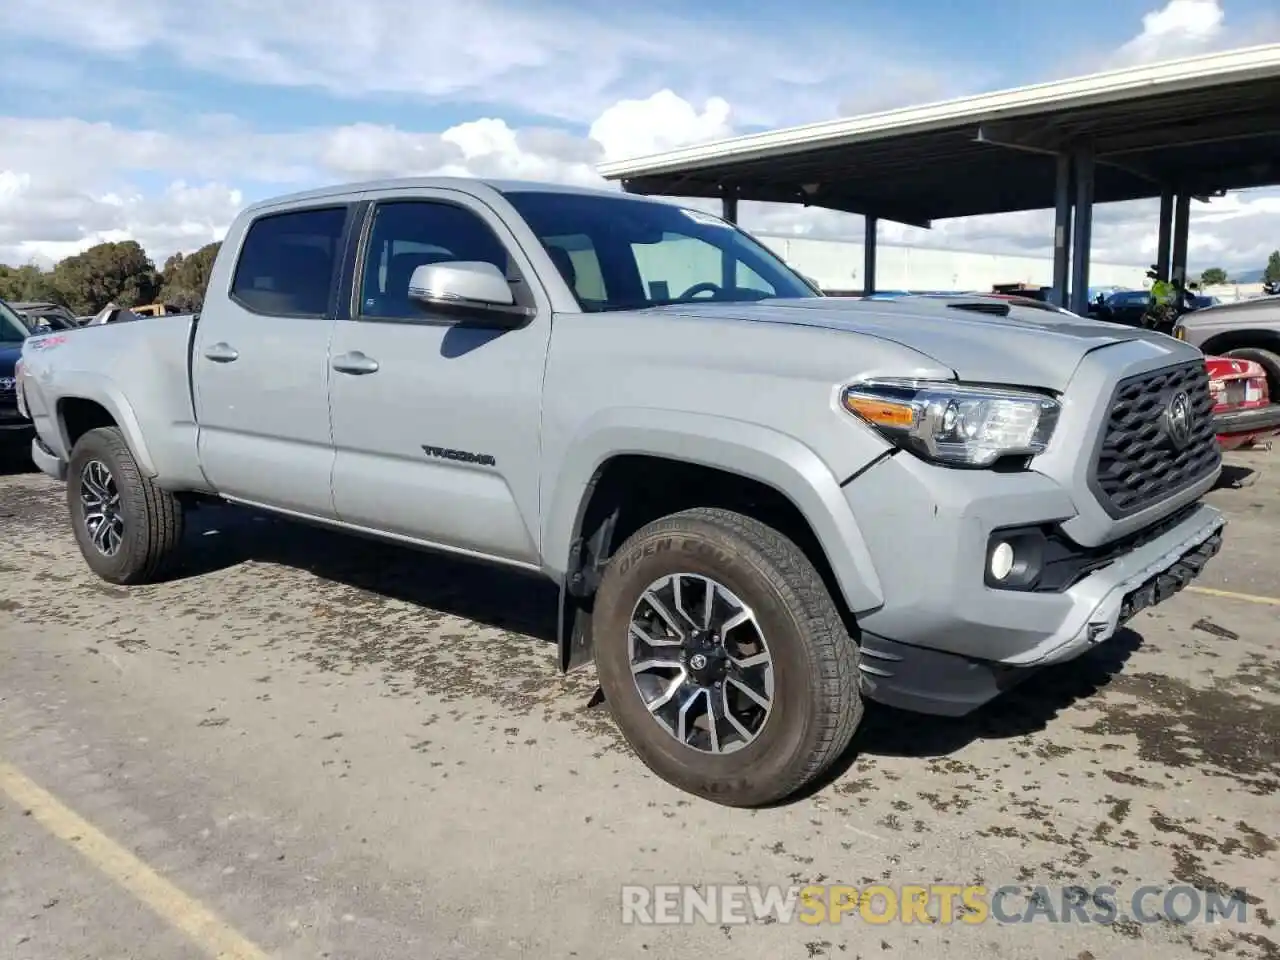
{"points": [[724, 659], [127, 527]]}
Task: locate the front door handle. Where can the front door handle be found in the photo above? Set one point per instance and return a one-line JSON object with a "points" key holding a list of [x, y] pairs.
{"points": [[356, 363], [221, 353]]}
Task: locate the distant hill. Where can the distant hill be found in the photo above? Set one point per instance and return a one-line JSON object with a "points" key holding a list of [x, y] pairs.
{"points": [[1244, 276], [1247, 276]]}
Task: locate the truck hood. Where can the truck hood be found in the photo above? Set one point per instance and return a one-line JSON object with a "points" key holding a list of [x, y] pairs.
{"points": [[1026, 347]]}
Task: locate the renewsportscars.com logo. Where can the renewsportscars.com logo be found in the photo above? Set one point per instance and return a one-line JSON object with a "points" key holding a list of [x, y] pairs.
{"points": [[673, 904]]}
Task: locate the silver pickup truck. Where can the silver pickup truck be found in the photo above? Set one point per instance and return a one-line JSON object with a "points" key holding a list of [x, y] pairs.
{"points": [[761, 505]]}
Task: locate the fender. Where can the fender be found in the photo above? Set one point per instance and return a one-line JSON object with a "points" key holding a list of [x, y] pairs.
{"points": [[1258, 338], [82, 385], [735, 446]]}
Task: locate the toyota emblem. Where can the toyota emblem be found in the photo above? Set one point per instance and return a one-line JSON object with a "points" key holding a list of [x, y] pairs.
{"points": [[1177, 420]]}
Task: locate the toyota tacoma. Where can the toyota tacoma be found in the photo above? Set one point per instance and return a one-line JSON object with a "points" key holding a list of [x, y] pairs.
{"points": [[762, 505]]}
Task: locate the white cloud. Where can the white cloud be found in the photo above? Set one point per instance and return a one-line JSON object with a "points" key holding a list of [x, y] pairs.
{"points": [[634, 128], [65, 184], [552, 58], [43, 226], [1180, 28]]}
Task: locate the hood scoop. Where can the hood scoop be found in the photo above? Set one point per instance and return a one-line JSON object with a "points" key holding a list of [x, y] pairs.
{"points": [[993, 307]]}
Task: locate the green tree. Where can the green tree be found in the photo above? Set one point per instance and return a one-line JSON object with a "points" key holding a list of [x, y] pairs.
{"points": [[185, 277], [119, 273], [1272, 273], [1213, 275], [27, 282]]}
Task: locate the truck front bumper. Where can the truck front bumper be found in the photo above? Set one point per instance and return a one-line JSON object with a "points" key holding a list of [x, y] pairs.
{"points": [[946, 641]]}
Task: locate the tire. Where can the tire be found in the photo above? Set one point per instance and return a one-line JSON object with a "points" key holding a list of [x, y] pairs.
{"points": [[150, 519], [1269, 361], [815, 705]]}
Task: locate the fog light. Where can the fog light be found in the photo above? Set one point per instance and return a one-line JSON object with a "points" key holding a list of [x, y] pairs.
{"points": [[1001, 561], [1015, 558]]}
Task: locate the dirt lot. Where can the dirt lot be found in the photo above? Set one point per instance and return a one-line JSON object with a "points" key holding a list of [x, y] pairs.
{"points": [[313, 746]]}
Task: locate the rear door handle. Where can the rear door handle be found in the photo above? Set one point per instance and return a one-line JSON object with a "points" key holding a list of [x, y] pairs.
{"points": [[221, 353], [355, 363]]}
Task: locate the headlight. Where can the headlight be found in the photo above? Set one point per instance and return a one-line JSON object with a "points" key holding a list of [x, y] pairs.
{"points": [[20, 396], [953, 423]]}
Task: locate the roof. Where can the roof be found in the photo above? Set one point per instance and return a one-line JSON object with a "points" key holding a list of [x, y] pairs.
{"points": [[1202, 124], [429, 183]]}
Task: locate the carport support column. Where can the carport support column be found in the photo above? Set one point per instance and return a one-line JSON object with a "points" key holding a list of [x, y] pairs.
{"points": [[1062, 231], [728, 265], [870, 234], [1165, 235], [1181, 227], [1082, 236]]}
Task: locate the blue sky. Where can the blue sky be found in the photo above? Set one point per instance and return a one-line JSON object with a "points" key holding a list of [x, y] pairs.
{"points": [[959, 48], [157, 118], [45, 75]]}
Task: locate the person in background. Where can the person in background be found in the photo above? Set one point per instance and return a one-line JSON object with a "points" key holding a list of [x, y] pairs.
{"points": [[1164, 295]]}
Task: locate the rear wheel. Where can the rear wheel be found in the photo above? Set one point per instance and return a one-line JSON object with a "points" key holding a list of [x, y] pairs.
{"points": [[724, 659], [127, 527]]}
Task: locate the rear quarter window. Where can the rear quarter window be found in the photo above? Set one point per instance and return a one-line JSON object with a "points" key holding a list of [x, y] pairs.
{"points": [[287, 262]]}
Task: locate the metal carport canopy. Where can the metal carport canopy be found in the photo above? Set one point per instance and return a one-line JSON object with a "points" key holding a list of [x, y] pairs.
{"points": [[1193, 127]]}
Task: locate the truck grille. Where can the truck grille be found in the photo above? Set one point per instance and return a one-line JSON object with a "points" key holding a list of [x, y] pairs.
{"points": [[1139, 462]]}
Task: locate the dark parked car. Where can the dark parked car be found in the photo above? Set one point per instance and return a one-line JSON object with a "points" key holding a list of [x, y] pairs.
{"points": [[14, 428], [44, 317], [1129, 306]]}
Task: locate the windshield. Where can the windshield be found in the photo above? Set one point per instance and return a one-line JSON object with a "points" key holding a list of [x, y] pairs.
{"points": [[12, 329], [624, 254]]}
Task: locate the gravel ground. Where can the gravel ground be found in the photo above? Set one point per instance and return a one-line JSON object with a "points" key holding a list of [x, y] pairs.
{"points": [[348, 750]]}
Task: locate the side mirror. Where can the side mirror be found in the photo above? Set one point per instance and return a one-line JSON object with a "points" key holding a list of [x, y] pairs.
{"points": [[470, 286]]}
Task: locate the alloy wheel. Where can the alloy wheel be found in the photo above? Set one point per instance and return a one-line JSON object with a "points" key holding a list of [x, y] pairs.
{"points": [[701, 663], [100, 500]]}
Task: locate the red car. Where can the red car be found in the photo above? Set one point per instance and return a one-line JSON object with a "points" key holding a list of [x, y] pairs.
{"points": [[1242, 409]]}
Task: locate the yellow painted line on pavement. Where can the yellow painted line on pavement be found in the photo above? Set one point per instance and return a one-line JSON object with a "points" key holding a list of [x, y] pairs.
{"points": [[1230, 595], [202, 926]]}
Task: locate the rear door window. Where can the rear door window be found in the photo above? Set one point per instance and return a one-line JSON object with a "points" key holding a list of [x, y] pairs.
{"points": [[287, 262]]}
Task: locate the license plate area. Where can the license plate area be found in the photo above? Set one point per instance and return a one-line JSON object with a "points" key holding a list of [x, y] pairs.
{"points": [[1233, 393]]}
